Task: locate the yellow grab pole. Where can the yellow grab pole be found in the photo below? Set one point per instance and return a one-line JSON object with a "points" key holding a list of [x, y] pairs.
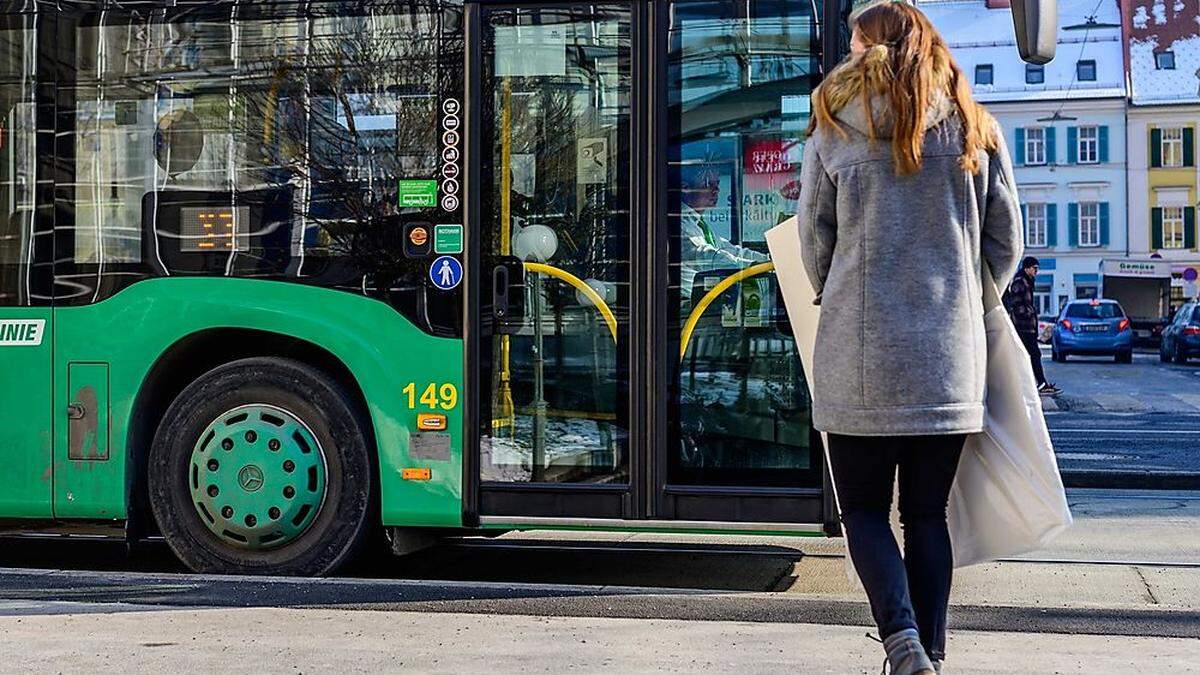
{"points": [[688, 327], [588, 292], [506, 415]]}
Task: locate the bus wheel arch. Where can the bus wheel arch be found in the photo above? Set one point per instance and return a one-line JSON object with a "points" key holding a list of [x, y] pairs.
{"points": [[192, 356]]}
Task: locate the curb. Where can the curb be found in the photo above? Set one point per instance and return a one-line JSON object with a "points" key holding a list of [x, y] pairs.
{"points": [[1132, 480]]}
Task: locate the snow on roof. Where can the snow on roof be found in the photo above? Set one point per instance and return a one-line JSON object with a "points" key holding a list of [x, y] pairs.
{"points": [[1164, 25], [978, 36]]}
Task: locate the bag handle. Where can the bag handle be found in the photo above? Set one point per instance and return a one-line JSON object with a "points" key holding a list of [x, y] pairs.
{"points": [[991, 294]]}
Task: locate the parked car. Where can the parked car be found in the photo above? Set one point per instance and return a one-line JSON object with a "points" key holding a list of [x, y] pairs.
{"points": [[1181, 338], [1094, 328]]}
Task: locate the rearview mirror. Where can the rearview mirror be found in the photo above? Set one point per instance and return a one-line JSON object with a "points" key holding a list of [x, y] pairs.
{"points": [[1036, 25]]}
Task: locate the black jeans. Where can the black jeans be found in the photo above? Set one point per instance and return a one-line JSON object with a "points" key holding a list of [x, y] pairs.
{"points": [[1035, 355], [913, 591]]}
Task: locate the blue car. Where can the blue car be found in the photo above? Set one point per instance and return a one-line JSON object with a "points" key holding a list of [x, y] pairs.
{"points": [[1092, 328], [1181, 339]]}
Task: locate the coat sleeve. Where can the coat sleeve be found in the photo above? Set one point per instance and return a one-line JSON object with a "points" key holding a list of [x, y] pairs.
{"points": [[1013, 294], [816, 217], [1002, 243]]}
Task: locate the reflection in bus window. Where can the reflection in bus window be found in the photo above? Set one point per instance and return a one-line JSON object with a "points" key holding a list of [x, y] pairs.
{"points": [[556, 110], [17, 162], [297, 125], [740, 75]]}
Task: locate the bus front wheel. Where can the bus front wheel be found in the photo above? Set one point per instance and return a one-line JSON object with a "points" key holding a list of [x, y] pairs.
{"points": [[261, 466]]}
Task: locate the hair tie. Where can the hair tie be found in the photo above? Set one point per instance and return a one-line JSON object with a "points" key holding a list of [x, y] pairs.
{"points": [[878, 52]]}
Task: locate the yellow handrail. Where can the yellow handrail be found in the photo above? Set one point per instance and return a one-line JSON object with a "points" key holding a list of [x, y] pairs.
{"points": [[588, 292], [686, 337]]}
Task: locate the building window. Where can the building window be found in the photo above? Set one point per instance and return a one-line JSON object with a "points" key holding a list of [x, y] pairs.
{"points": [[1172, 147], [983, 74], [1164, 60], [1085, 71], [1173, 227], [1042, 300], [1089, 224], [1177, 297], [1034, 74], [1035, 225], [1035, 145], [1089, 145]]}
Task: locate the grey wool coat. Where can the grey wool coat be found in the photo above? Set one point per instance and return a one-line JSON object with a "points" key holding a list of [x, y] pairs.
{"points": [[895, 261]]}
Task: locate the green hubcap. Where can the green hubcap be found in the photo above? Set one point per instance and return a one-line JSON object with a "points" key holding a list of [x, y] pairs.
{"points": [[257, 477]]}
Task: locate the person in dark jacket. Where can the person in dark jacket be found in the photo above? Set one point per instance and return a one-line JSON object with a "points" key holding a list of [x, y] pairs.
{"points": [[1018, 300]]}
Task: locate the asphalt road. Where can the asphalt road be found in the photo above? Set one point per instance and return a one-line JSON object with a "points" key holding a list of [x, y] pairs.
{"points": [[1113, 442], [1126, 425]]}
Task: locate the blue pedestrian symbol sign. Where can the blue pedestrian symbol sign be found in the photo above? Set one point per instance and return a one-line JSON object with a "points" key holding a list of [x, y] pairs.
{"points": [[446, 272]]}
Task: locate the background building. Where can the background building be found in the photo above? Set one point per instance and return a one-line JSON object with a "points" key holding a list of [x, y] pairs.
{"points": [[1163, 43], [1065, 127]]}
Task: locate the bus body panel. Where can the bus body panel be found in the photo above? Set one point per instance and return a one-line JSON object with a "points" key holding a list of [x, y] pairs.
{"points": [[26, 417], [382, 350]]}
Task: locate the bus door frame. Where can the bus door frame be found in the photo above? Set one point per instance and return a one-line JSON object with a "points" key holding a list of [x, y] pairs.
{"points": [[594, 501], [649, 501]]}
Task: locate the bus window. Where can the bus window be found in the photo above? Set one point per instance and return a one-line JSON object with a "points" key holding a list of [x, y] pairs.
{"points": [[264, 141], [740, 75], [18, 154], [556, 200]]}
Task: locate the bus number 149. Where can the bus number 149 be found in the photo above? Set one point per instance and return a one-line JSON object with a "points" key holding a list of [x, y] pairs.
{"points": [[433, 397]]}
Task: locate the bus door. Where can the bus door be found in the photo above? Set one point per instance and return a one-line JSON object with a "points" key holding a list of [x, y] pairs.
{"points": [[26, 343], [554, 89], [738, 444], [634, 359]]}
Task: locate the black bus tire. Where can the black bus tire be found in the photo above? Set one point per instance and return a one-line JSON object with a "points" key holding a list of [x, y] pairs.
{"points": [[341, 524]]}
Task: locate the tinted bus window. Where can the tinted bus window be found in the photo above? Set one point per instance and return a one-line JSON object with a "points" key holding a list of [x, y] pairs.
{"points": [[265, 140], [18, 155], [739, 83]]}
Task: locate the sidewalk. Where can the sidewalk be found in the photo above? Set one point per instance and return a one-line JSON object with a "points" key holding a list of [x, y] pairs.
{"points": [[1120, 592], [266, 640]]}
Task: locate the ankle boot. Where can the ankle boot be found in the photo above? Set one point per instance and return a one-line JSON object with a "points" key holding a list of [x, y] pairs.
{"points": [[905, 654]]}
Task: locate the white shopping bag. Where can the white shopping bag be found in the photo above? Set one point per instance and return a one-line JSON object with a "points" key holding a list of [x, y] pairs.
{"points": [[1007, 496]]}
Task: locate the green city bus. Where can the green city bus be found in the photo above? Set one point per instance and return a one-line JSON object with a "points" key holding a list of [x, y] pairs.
{"points": [[280, 278]]}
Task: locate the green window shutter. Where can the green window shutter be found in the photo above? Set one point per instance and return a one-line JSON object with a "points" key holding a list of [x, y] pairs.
{"points": [[1156, 148], [1103, 141], [1103, 208], [1156, 229], [1051, 155], [1072, 145], [1020, 146], [1189, 146], [1189, 227], [1073, 224], [1051, 225]]}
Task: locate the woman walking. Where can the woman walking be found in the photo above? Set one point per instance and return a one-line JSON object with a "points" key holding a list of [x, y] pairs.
{"points": [[907, 189]]}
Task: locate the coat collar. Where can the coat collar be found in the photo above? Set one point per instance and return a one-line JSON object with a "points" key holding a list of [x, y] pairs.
{"points": [[854, 114]]}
